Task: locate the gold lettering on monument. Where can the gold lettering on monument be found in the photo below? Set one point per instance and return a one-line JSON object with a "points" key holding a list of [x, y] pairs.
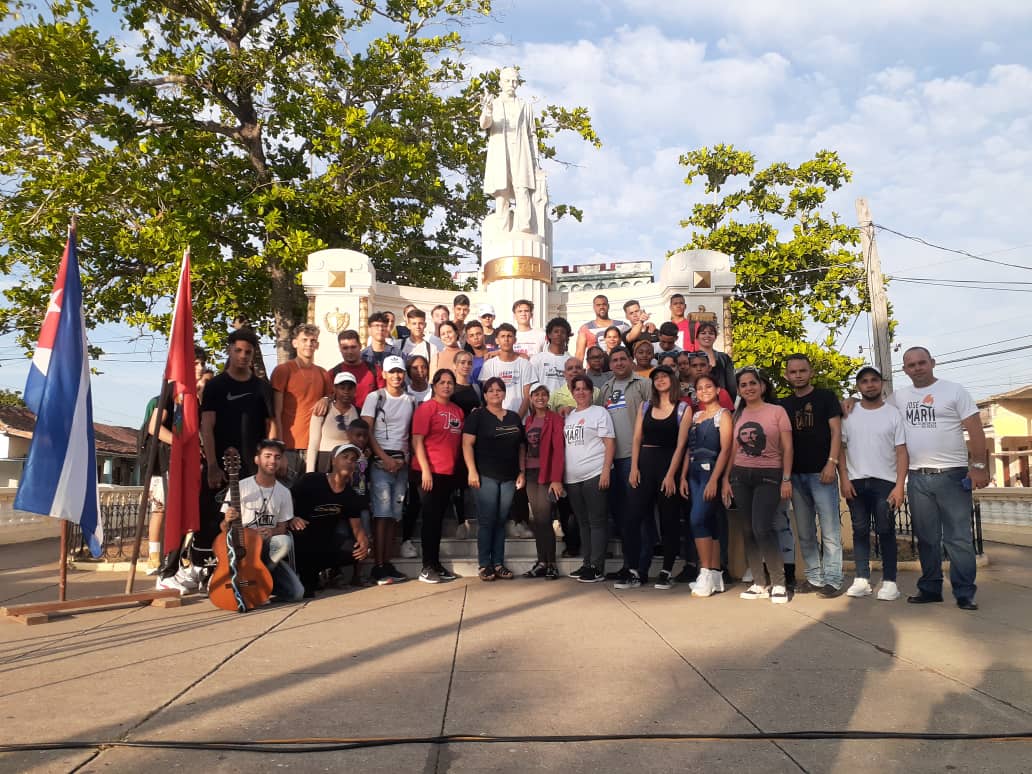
{"points": [[517, 267]]}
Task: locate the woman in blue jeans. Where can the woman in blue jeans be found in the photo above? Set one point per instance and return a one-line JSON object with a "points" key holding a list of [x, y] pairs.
{"points": [[709, 447], [494, 447]]}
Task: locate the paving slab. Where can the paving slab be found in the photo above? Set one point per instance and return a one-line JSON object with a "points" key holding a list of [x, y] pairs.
{"points": [[528, 657]]}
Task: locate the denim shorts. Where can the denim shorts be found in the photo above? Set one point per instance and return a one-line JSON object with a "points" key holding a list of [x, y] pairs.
{"points": [[387, 492]]}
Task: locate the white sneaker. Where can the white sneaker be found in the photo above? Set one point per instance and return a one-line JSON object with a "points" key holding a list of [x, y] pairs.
{"points": [[779, 595], [703, 586], [557, 529], [471, 528], [718, 581], [861, 588], [747, 578], [189, 578], [170, 584], [525, 531], [755, 592], [408, 550], [460, 531], [512, 529], [888, 591]]}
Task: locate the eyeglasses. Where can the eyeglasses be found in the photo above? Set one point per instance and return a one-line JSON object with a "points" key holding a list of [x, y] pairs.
{"points": [[748, 370], [342, 422]]}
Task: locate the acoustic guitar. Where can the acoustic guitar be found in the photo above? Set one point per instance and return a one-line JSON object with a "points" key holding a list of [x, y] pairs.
{"points": [[241, 581]]}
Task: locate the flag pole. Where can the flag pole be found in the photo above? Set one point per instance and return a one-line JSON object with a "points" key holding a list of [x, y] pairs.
{"points": [[62, 576], [152, 456], [62, 582]]}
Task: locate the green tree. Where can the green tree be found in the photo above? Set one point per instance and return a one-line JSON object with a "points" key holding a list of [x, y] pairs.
{"points": [[254, 131], [807, 275], [11, 398]]}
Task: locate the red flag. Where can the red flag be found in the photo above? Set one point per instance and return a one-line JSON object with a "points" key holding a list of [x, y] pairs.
{"points": [[182, 511]]}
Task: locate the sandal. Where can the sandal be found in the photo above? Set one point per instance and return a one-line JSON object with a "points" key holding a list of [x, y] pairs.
{"points": [[503, 572], [487, 574]]}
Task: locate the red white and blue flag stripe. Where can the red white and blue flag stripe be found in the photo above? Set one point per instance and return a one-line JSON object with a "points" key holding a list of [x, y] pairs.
{"points": [[60, 476]]}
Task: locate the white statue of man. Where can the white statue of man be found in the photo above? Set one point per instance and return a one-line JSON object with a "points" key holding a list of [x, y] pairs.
{"points": [[511, 170]]}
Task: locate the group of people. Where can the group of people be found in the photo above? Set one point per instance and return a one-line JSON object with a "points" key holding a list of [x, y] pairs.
{"points": [[645, 433]]}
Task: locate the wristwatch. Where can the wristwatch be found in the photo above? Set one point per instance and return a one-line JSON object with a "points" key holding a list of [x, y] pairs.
{"points": [[977, 466], [786, 479]]}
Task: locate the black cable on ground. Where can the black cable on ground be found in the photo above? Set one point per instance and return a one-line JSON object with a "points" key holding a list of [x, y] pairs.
{"points": [[277, 746]]}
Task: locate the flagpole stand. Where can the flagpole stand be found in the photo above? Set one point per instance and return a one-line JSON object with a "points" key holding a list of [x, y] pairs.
{"points": [[33, 613], [62, 582]]}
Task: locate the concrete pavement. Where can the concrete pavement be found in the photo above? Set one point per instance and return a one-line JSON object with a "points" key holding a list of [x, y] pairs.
{"points": [[521, 658]]}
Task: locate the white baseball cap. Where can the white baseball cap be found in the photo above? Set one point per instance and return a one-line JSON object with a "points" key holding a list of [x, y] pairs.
{"points": [[485, 309], [344, 376], [393, 363], [343, 447]]}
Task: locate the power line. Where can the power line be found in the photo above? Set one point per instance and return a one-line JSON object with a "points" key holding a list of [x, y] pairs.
{"points": [[962, 287], [979, 356], [965, 253]]}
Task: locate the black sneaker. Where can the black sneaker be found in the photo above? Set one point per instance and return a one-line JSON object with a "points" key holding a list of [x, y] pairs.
{"points": [[446, 574], [429, 575], [391, 572], [576, 574], [552, 573], [620, 575], [537, 571], [378, 575], [571, 553], [665, 580], [629, 581], [827, 591], [689, 574], [588, 575], [805, 587]]}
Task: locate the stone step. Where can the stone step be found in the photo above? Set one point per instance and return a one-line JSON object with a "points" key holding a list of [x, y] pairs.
{"points": [[467, 568]]}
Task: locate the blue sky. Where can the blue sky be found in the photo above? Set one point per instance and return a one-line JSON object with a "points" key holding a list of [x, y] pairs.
{"points": [[929, 103]]}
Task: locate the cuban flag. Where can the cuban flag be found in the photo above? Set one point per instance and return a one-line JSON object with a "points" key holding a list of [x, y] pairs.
{"points": [[60, 476]]}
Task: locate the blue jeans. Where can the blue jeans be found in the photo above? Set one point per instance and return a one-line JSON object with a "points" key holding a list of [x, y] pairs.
{"points": [[872, 500], [387, 492], [813, 501], [494, 499], [619, 495], [940, 510]]}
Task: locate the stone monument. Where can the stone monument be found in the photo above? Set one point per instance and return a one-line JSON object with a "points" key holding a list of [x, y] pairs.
{"points": [[515, 239]]}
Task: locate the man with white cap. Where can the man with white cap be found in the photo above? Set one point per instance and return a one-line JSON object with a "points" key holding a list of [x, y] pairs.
{"points": [[486, 314], [388, 411], [872, 474], [325, 432], [322, 502]]}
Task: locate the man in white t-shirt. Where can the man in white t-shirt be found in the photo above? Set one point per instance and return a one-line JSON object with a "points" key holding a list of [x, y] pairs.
{"points": [[417, 342], [550, 364], [872, 471], [935, 415], [267, 508], [529, 341], [388, 412], [515, 371]]}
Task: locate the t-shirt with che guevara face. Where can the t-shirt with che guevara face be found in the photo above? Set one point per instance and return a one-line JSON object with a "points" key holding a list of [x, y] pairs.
{"points": [[758, 436]]}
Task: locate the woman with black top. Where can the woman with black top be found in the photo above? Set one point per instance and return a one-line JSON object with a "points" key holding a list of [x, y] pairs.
{"points": [[467, 396], [721, 366], [660, 435], [495, 452]]}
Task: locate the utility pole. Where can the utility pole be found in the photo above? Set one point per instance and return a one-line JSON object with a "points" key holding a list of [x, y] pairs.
{"points": [[876, 291]]}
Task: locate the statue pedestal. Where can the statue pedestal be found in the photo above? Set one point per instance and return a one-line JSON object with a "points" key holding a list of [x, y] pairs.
{"points": [[516, 265]]}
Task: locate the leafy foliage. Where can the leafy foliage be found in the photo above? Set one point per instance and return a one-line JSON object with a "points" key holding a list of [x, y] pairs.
{"points": [[11, 398], [254, 131], [807, 274]]}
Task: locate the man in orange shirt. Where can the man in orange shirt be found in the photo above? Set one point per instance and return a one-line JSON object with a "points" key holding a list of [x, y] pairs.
{"points": [[299, 384]]}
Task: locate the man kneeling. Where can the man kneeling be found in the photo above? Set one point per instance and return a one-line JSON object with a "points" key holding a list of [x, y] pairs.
{"points": [[266, 507], [323, 502]]}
